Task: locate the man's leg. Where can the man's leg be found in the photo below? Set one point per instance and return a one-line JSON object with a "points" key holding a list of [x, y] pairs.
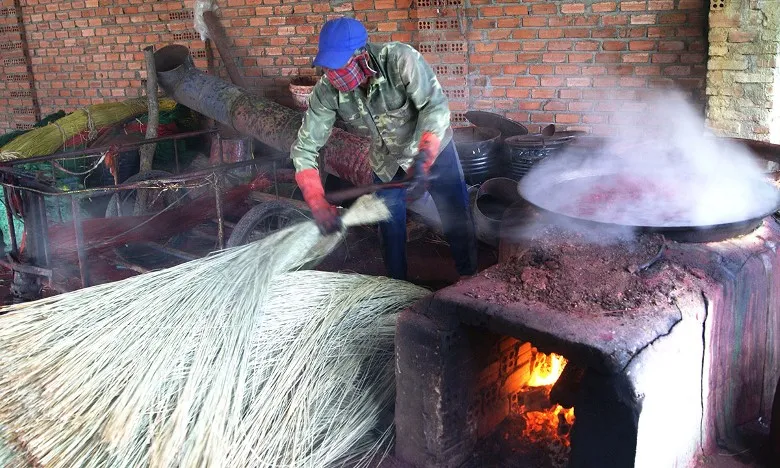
{"points": [[448, 190], [393, 231]]}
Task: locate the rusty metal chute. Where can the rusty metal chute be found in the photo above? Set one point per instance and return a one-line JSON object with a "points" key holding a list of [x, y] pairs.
{"points": [[275, 125]]}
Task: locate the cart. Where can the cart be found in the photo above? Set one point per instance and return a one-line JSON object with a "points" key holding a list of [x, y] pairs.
{"points": [[190, 214]]}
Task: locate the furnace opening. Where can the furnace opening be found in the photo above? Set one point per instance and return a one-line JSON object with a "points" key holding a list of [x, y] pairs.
{"points": [[524, 410]]}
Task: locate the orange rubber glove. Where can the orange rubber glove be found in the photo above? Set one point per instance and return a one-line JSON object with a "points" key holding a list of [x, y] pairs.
{"points": [[325, 215], [428, 152], [430, 146]]}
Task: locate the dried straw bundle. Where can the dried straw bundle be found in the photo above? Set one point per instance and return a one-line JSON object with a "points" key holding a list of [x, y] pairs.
{"points": [[237, 359], [46, 140]]}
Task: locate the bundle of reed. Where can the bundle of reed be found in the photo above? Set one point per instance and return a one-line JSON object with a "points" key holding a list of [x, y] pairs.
{"points": [[46, 140], [238, 359]]}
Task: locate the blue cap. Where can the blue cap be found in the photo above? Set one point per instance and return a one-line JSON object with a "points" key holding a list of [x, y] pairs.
{"points": [[339, 39]]}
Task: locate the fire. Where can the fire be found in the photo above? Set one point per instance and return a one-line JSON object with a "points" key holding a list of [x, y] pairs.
{"points": [[550, 425]]}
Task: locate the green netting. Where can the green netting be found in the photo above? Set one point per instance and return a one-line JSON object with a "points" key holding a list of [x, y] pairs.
{"points": [[58, 209]]}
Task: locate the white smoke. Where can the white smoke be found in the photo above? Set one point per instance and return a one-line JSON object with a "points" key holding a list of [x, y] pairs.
{"points": [[665, 171]]}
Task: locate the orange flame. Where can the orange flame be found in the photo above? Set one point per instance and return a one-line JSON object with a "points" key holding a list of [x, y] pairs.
{"points": [[551, 425]]}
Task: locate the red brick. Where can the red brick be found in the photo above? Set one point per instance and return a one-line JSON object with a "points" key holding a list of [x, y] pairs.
{"points": [[551, 33], [504, 58], [649, 70], [586, 46], [662, 4], [554, 58], [578, 82], [542, 117], [498, 34], [530, 105], [567, 70], [534, 21], [573, 8], [615, 20], [679, 70], [636, 58], [544, 9], [552, 106], [604, 7], [673, 18], [596, 70], [541, 93], [518, 93], [641, 45], [516, 10], [560, 45], [643, 19], [553, 81], [485, 11], [532, 45], [614, 45], [580, 106], [509, 46], [541, 70], [567, 118], [664, 58], [609, 57], [570, 94], [604, 33], [633, 6], [627, 81]]}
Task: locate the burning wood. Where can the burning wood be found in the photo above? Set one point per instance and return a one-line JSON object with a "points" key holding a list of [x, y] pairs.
{"points": [[546, 424]]}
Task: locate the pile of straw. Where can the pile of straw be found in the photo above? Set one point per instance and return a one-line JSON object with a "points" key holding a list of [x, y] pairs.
{"points": [[46, 140], [238, 359]]}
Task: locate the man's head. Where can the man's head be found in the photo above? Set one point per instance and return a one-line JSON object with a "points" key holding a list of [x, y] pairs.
{"points": [[339, 40], [342, 53]]}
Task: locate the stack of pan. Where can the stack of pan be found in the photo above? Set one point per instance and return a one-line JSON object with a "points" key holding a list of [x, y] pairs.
{"points": [[523, 151], [479, 166], [479, 152]]}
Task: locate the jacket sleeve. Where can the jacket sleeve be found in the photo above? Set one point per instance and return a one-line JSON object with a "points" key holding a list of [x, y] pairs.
{"points": [[424, 90], [316, 127]]}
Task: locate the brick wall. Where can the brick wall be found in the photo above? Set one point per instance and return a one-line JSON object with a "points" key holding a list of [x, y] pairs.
{"points": [[742, 66], [561, 61]]}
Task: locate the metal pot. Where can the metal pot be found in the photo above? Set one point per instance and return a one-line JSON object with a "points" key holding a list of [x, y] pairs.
{"points": [[478, 152], [537, 194], [492, 200]]}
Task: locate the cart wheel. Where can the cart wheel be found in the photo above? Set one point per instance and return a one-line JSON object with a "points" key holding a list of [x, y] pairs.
{"points": [[263, 220], [157, 200]]}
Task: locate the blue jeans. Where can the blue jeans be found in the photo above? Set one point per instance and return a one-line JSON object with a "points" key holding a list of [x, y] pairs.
{"points": [[448, 190]]}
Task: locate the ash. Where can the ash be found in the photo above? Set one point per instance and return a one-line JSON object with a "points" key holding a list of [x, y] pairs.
{"points": [[563, 269]]}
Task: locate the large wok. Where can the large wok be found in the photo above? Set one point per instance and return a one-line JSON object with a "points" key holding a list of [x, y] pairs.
{"points": [[536, 192]]}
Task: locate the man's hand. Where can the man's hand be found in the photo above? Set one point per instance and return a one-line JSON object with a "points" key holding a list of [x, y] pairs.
{"points": [[421, 167], [325, 215]]}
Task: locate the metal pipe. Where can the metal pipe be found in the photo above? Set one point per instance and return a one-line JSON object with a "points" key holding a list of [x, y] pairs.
{"points": [[217, 34], [275, 125], [24, 268]]}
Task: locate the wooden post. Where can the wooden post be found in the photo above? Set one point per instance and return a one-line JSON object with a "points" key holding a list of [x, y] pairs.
{"points": [[147, 151]]}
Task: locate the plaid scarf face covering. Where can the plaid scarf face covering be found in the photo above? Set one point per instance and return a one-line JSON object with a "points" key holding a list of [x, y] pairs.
{"points": [[351, 75]]}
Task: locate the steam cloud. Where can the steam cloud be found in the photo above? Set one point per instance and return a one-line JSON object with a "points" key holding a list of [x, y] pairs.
{"points": [[664, 171]]}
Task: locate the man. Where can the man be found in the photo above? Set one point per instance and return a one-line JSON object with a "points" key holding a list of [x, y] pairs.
{"points": [[389, 93]]}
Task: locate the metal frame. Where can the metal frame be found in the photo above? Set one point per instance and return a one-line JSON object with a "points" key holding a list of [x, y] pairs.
{"points": [[36, 191]]}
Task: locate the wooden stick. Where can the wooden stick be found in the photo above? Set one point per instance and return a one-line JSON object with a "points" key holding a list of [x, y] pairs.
{"points": [[147, 151]]}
